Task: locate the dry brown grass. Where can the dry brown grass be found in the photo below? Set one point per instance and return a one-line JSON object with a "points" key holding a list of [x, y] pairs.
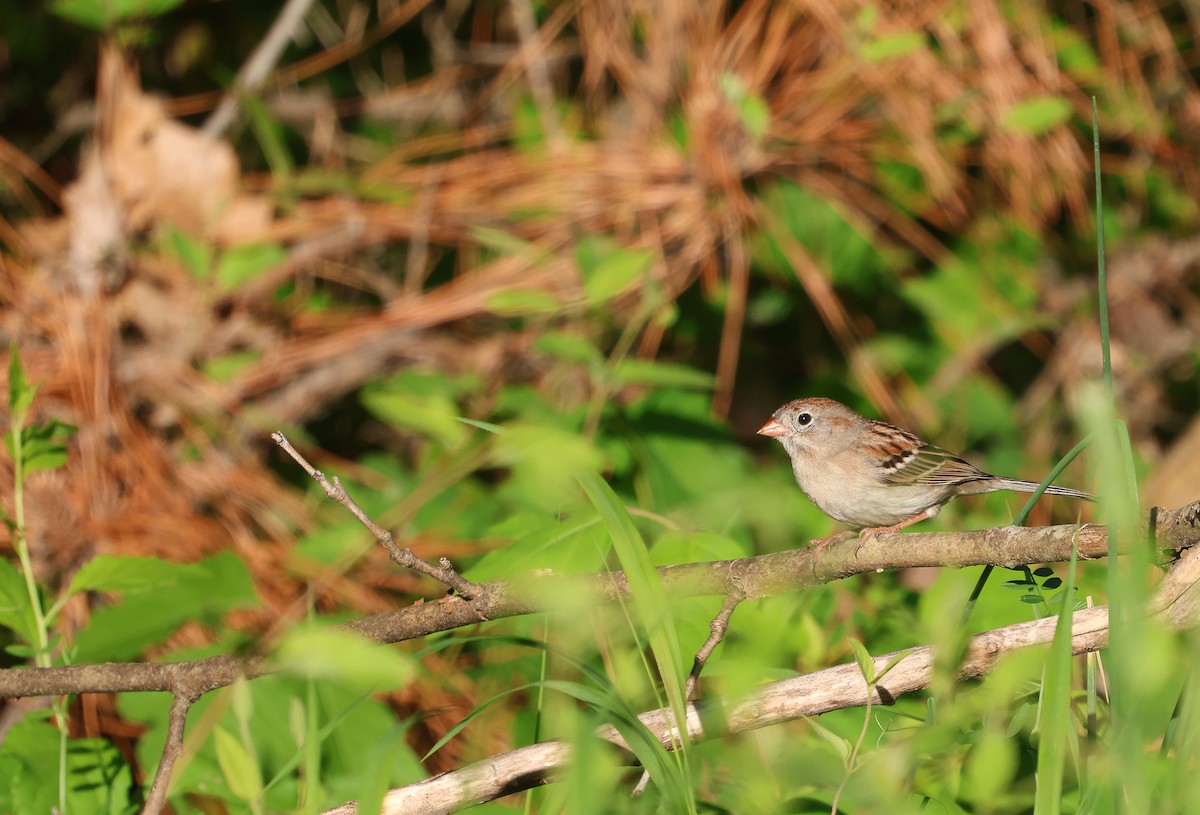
{"points": [[168, 462]]}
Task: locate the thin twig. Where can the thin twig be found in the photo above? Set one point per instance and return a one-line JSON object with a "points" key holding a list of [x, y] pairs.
{"points": [[442, 572], [172, 750], [717, 630], [255, 69]]}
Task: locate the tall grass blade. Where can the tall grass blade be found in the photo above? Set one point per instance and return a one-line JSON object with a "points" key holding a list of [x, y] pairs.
{"points": [[653, 611], [1054, 714]]}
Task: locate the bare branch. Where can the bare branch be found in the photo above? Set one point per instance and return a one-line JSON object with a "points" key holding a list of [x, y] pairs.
{"points": [[1175, 530], [442, 572], [1177, 603]]}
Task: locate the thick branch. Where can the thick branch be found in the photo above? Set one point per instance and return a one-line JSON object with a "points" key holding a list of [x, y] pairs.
{"points": [[1177, 603], [752, 577]]}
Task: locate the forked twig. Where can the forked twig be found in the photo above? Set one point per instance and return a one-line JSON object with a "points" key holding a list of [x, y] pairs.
{"points": [[442, 571], [717, 630], [172, 750]]}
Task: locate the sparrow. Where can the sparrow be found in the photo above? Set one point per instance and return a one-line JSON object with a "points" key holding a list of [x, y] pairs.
{"points": [[873, 476]]}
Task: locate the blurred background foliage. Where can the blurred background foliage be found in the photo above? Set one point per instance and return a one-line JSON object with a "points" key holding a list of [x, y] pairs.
{"points": [[616, 236]]}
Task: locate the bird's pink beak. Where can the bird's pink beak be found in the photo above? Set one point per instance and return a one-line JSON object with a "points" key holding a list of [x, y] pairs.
{"points": [[773, 429]]}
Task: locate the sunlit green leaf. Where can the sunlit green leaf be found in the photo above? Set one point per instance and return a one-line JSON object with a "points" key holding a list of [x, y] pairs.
{"points": [[101, 14], [44, 446], [225, 368], [15, 611], [196, 256], [433, 415], [519, 302], [614, 273], [1037, 115], [340, 655], [892, 46], [866, 664], [238, 766], [244, 263], [125, 574], [662, 374]]}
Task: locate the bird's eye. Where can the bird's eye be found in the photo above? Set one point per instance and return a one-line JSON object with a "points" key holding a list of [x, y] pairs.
{"points": [[804, 419]]}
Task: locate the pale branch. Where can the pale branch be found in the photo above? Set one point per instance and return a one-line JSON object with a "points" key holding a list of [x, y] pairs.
{"points": [[254, 72], [1174, 530], [172, 750], [442, 572], [1177, 603]]}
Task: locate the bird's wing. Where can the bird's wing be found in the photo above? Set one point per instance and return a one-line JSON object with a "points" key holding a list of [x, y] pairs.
{"points": [[933, 466]]}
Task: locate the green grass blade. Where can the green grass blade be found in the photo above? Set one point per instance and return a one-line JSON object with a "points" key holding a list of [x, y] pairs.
{"points": [[1054, 714], [1101, 271], [651, 605]]}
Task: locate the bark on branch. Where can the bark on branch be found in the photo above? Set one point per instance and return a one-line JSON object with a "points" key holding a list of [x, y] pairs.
{"points": [[1177, 603], [1173, 530]]}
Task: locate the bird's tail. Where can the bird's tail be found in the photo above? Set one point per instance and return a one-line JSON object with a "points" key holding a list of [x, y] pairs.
{"points": [[1017, 485]]}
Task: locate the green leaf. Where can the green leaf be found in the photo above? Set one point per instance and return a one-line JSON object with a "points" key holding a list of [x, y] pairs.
{"points": [[990, 767], [225, 368], [20, 392], [893, 45], [1043, 571], [196, 257], [244, 263], [98, 779], [270, 135], [201, 592], [507, 244], [434, 415], [752, 109], [15, 612], [840, 745], [843, 247], [895, 660], [1037, 115], [662, 374], [102, 14], [544, 461], [340, 655], [866, 663], [692, 547], [125, 574], [536, 540], [487, 427], [237, 765], [612, 273], [522, 302], [571, 347], [44, 446]]}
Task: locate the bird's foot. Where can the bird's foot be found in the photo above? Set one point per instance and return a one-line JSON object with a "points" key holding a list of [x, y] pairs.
{"points": [[872, 532], [820, 543]]}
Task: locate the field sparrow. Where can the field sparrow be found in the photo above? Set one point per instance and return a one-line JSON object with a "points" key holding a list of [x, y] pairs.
{"points": [[871, 475]]}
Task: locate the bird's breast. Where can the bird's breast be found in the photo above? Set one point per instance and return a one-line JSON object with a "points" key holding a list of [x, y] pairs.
{"points": [[861, 501]]}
